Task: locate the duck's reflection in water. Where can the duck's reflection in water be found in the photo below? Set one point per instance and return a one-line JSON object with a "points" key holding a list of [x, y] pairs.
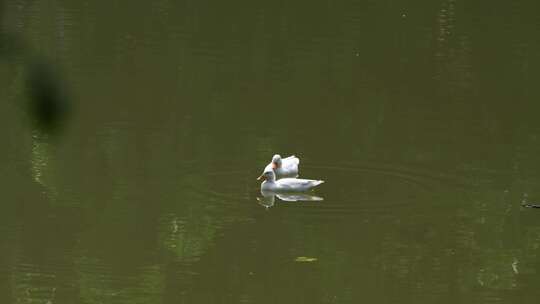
{"points": [[269, 197]]}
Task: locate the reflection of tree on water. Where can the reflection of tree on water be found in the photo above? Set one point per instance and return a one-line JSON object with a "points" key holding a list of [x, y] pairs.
{"points": [[47, 104], [32, 95], [41, 165], [37, 89], [189, 227], [45, 98], [453, 50], [99, 283], [187, 237]]}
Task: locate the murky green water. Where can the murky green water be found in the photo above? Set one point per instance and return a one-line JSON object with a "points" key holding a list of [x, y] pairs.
{"points": [[422, 118]]}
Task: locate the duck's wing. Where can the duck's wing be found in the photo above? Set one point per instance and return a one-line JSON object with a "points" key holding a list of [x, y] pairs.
{"points": [[290, 163], [298, 184]]}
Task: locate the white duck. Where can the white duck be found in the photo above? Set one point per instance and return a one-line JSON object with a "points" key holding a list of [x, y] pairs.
{"points": [[286, 184], [286, 167]]}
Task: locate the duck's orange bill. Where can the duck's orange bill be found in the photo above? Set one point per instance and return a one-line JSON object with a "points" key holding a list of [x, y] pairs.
{"points": [[260, 177]]}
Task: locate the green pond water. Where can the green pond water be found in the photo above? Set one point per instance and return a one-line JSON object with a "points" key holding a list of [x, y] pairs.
{"points": [[421, 116]]}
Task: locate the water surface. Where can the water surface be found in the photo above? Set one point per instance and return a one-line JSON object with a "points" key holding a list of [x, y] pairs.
{"points": [[421, 117]]}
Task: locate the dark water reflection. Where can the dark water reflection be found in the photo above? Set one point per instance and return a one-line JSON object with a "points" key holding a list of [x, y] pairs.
{"points": [[420, 117]]}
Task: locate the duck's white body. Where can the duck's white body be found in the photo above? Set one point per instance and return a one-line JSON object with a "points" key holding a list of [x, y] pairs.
{"points": [[287, 184], [284, 167]]}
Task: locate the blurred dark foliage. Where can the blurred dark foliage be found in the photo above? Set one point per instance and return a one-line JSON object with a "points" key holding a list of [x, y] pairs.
{"points": [[47, 101], [48, 104]]}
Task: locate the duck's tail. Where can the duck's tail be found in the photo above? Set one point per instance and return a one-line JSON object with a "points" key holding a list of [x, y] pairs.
{"points": [[317, 182]]}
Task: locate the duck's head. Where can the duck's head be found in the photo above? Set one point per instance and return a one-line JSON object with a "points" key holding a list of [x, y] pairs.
{"points": [[276, 161], [268, 175]]}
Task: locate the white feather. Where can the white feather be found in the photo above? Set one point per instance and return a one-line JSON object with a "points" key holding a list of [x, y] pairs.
{"points": [[288, 167], [287, 184]]}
